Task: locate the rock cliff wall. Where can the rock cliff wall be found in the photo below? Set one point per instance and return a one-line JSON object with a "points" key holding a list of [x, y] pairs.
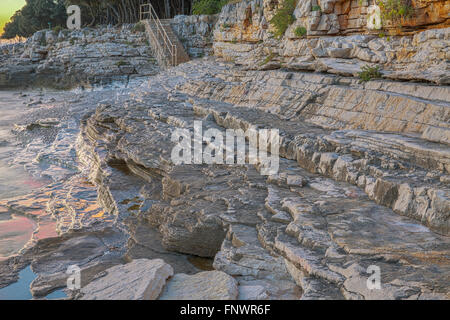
{"points": [[67, 59], [249, 20], [196, 33], [243, 34]]}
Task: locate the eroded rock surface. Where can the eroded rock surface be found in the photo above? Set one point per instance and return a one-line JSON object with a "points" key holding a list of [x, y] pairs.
{"points": [[363, 178], [208, 285], [243, 34], [195, 33], [335, 208], [71, 58]]}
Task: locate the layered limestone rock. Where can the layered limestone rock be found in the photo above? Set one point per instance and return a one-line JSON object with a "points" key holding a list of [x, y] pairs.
{"points": [[347, 197], [294, 234], [362, 183], [403, 171], [249, 20], [71, 58], [195, 33], [140, 279], [208, 285], [243, 35]]}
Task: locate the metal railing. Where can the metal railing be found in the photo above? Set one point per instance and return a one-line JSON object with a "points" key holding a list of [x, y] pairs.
{"points": [[164, 49]]}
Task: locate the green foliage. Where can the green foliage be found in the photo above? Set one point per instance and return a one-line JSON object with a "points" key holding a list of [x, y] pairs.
{"points": [[40, 14], [208, 6], [395, 10], [300, 31], [138, 27], [316, 8], [284, 17], [368, 73], [121, 63], [268, 59], [36, 15], [57, 29]]}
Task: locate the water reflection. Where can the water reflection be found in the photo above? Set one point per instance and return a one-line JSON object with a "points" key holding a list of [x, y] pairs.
{"points": [[15, 232], [19, 290]]}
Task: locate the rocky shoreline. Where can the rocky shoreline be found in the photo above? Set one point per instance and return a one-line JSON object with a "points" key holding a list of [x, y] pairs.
{"points": [[296, 224], [68, 59]]}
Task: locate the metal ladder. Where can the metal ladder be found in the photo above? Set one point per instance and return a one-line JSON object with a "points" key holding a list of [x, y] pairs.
{"points": [[167, 51]]}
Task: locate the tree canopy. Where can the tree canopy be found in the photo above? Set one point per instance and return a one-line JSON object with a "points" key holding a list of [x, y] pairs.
{"points": [[41, 14], [36, 15]]}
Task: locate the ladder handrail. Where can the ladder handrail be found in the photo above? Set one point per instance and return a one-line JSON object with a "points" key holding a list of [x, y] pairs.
{"points": [[160, 33]]}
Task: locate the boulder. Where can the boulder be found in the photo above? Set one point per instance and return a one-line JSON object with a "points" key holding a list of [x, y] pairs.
{"points": [[140, 279], [208, 285]]}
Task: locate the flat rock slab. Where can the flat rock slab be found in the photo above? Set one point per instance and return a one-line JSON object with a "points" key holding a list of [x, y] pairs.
{"points": [[208, 285], [140, 279]]}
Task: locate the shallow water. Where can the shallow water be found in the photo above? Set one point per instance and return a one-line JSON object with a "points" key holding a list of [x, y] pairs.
{"points": [[33, 173], [15, 230], [14, 180], [19, 290]]}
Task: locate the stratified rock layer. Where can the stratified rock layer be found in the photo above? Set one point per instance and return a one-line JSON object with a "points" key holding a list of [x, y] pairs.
{"points": [[72, 58], [243, 35], [208, 285], [196, 33], [344, 198], [140, 279]]}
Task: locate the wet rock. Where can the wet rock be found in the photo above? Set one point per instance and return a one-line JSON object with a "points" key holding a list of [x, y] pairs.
{"points": [[347, 194]]}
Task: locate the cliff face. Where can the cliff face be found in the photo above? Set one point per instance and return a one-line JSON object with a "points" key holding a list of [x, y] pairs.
{"points": [[341, 201], [243, 35], [70, 58], [249, 20], [195, 32]]}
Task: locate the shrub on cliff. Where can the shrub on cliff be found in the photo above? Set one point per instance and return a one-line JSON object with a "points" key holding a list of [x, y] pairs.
{"points": [[369, 73], [300, 31], [284, 17], [138, 27], [208, 6], [395, 10]]}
